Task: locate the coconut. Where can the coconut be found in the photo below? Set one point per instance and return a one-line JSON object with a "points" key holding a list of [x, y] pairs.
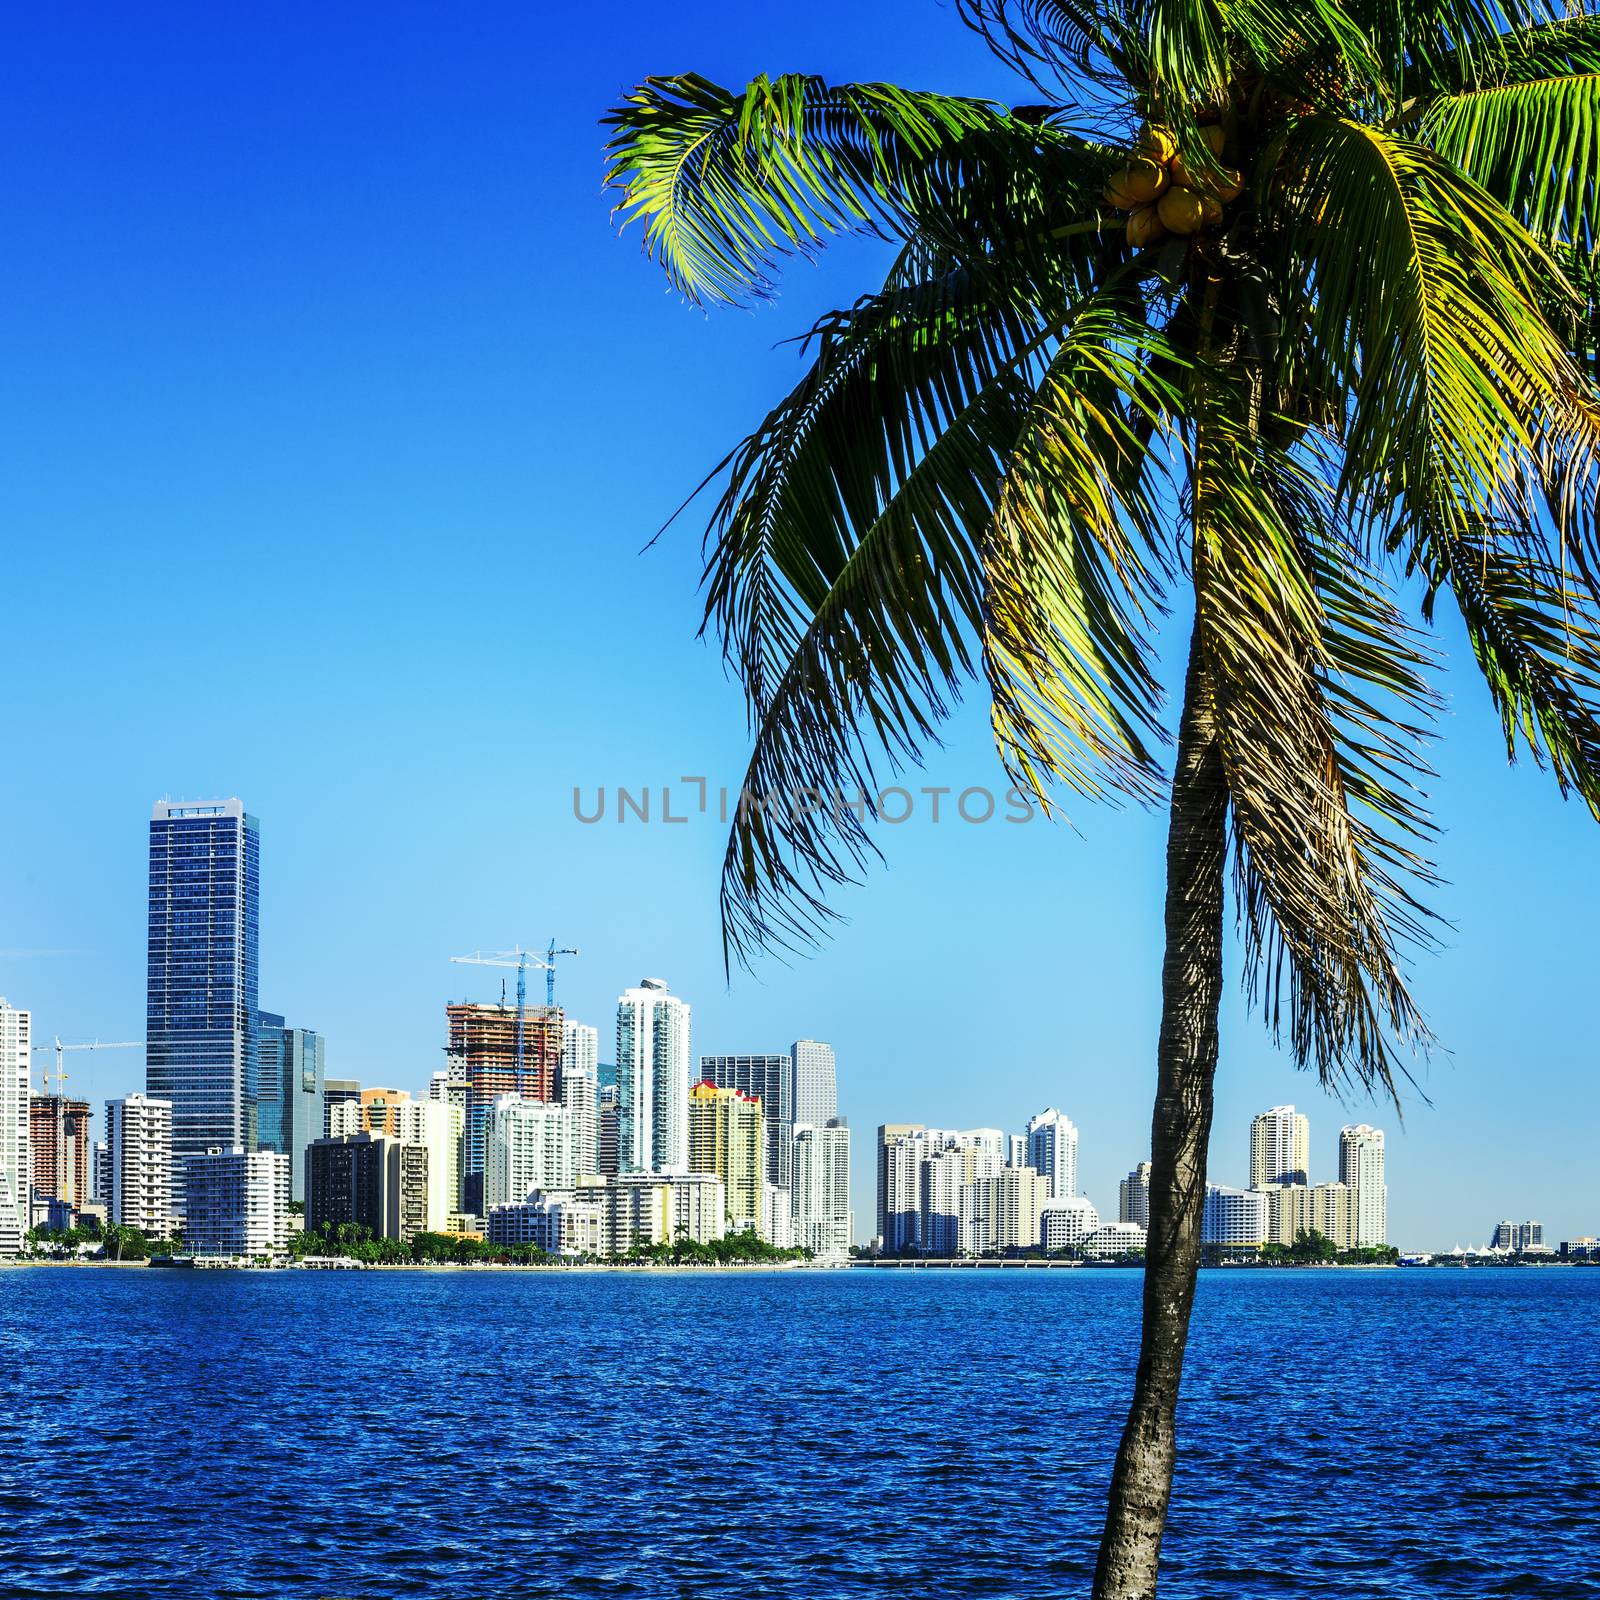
{"points": [[1144, 227], [1214, 137], [1181, 210], [1138, 184], [1157, 143]]}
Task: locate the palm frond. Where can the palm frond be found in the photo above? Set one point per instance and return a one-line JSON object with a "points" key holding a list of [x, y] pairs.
{"points": [[727, 183], [1534, 141], [1319, 691]]}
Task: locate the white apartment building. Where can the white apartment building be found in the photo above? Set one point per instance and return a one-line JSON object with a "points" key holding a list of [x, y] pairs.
{"points": [[1016, 1149], [1361, 1166], [580, 1090], [814, 1082], [139, 1164], [1113, 1239], [1053, 1151], [237, 1202], [563, 1222], [16, 1167], [1133, 1196], [1234, 1216], [777, 1216], [527, 1145], [438, 1126], [820, 1193], [652, 1079], [649, 1208], [1280, 1148], [1001, 1210], [1068, 1224]]}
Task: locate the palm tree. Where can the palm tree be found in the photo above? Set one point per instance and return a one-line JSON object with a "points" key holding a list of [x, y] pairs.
{"points": [[1345, 366]]}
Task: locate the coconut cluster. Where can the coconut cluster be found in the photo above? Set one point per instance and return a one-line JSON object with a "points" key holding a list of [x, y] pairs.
{"points": [[1160, 193]]}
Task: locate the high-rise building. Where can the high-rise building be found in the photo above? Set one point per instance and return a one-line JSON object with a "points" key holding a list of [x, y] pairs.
{"points": [[289, 1094], [238, 1202], [337, 1092], [1053, 1151], [58, 1141], [1280, 1147], [1133, 1196], [1068, 1224], [485, 1038], [1001, 1211], [1233, 1216], [1361, 1166], [100, 1173], [769, 1079], [1517, 1236], [727, 1136], [201, 1006], [375, 1182], [814, 1091], [900, 1150], [435, 1126], [652, 1079], [580, 1091], [1325, 1208], [450, 1089], [528, 1145], [820, 1191], [16, 1180], [608, 1118], [1016, 1149], [777, 1217], [139, 1164]]}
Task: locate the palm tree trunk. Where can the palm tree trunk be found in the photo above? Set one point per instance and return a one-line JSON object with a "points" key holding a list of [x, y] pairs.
{"points": [[1191, 989]]}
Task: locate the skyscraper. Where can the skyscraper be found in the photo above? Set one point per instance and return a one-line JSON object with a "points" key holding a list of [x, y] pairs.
{"points": [[1361, 1166], [201, 1010], [1133, 1197], [820, 1196], [1280, 1147], [1053, 1151], [16, 1047], [769, 1079], [580, 1090], [289, 1094], [528, 1145], [58, 1147], [727, 1136], [238, 1202], [814, 1095], [652, 1079]]}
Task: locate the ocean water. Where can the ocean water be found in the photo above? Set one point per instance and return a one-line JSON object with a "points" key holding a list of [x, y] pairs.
{"points": [[807, 1435]]}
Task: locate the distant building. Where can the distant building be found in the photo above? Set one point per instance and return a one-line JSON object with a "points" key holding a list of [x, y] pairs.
{"points": [[579, 1090], [1001, 1211], [769, 1079], [821, 1189], [1280, 1148], [652, 1079], [777, 1217], [436, 1127], [528, 1145], [1053, 1151], [641, 1209], [921, 1175], [289, 1093], [814, 1085], [139, 1164], [1016, 1149], [369, 1180], [1234, 1217], [337, 1092], [1518, 1236], [238, 1202], [1361, 1166], [58, 1141], [201, 998], [1133, 1196], [1068, 1224], [100, 1170], [899, 1156], [484, 1038], [607, 1138], [1325, 1208], [727, 1136], [16, 1178], [449, 1088], [1113, 1239], [561, 1222]]}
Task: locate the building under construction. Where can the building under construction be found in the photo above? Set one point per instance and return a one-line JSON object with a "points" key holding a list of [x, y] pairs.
{"points": [[485, 1038], [58, 1134]]}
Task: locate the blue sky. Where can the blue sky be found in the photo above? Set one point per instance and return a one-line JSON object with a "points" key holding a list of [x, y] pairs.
{"points": [[336, 416]]}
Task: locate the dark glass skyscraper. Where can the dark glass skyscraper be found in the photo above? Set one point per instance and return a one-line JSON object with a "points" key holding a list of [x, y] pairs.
{"points": [[200, 1014], [289, 1094]]}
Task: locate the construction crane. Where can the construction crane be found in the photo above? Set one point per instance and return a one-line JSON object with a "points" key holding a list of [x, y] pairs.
{"points": [[61, 1049], [521, 960]]}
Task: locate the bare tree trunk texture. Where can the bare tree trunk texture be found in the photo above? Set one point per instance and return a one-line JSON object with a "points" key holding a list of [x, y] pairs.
{"points": [[1191, 991]]}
